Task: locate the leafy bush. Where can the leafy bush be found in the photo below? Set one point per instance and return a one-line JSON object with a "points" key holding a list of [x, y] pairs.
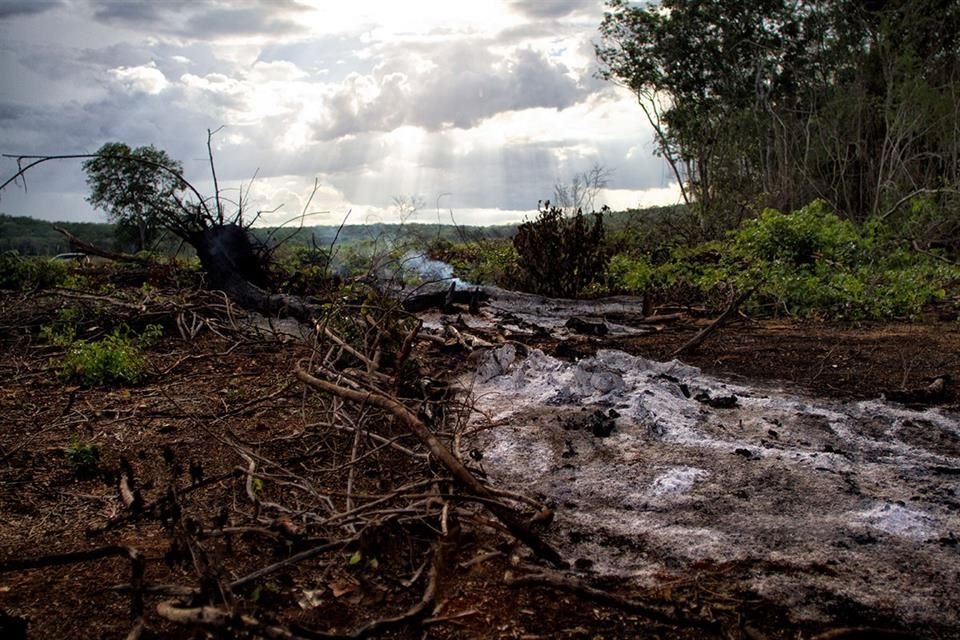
{"points": [[807, 236], [84, 457], [805, 263], [482, 261], [118, 358], [21, 273], [559, 255], [303, 270]]}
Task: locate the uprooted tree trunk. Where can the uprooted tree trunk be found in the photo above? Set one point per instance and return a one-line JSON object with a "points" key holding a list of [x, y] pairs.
{"points": [[232, 263], [228, 255]]}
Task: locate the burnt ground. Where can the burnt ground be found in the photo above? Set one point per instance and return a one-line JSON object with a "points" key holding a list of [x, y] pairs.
{"points": [[223, 394]]}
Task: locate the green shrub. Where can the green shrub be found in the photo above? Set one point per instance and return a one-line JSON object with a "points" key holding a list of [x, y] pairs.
{"points": [[84, 457], [303, 270], [804, 237], [22, 273], [483, 261], [805, 263], [117, 358]]}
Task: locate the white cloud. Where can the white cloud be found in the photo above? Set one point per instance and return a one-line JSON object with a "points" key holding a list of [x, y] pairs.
{"points": [[490, 102], [141, 79]]}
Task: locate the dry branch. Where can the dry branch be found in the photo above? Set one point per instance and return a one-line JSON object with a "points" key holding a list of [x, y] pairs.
{"points": [[722, 319], [663, 614], [88, 248], [213, 617], [507, 516], [137, 562]]}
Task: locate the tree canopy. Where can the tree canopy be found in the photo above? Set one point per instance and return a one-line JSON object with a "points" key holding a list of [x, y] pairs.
{"points": [[137, 187], [779, 102]]}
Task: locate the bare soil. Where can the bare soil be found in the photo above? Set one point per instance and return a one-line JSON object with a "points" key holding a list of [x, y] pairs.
{"points": [[221, 392]]}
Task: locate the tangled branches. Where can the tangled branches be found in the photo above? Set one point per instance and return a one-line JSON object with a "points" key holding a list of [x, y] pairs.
{"points": [[355, 495]]}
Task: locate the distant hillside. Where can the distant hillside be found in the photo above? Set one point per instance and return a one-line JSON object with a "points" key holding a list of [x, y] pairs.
{"points": [[30, 236]]}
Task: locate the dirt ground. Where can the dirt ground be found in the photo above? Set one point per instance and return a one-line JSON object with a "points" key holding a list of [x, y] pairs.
{"points": [[211, 392]]}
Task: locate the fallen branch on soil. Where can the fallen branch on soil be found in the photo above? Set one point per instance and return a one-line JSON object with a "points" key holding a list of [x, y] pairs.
{"points": [[218, 618], [507, 516], [664, 614], [721, 320], [92, 250], [137, 562]]}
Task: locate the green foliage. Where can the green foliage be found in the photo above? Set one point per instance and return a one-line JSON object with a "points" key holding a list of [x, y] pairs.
{"points": [[482, 261], [83, 457], [32, 237], [116, 359], [560, 256], [776, 102], [138, 188], [302, 270], [805, 263], [929, 221], [803, 237], [20, 273]]}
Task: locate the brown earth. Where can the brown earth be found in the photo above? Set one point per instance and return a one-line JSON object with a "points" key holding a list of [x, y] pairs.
{"points": [[225, 392]]}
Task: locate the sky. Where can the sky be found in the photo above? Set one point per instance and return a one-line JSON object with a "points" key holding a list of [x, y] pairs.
{"points": [[476, 108]]}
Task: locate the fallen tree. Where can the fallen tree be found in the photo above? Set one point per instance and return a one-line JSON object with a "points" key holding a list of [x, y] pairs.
{"points": [[229, 256]]}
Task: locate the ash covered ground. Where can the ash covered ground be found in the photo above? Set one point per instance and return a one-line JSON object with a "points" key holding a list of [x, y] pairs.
{"points": [[657, 469]]}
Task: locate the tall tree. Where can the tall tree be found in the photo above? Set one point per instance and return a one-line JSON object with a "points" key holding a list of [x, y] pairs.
{"points": [[137, 187], [783, 101]]}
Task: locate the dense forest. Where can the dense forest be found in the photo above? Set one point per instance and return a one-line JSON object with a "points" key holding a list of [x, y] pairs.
{"points": [[778, 103]]}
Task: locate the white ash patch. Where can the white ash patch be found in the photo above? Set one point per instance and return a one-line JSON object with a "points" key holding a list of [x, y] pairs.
{"points": [[898, 520], [677, 480], [870, 490]]}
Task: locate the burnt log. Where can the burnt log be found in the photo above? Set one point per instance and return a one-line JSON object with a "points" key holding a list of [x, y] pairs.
{"points": [[445, 299], [587, 326], [236, 266]]}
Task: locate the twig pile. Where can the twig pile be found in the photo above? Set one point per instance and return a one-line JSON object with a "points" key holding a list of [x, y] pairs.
{"points": [[361, 504]]}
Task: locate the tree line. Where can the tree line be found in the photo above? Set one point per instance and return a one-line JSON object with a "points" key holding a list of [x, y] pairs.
{"points": [[781, 102]]}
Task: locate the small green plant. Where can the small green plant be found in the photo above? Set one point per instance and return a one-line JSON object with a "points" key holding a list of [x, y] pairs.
{"points": [[75, 281], [117, 358], [63, 330], [266, 594], [483, 261], [83, 457], [21, 273]]}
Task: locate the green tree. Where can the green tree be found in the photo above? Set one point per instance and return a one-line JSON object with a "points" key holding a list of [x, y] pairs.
{"points": [[779, 102], [137, 187]]}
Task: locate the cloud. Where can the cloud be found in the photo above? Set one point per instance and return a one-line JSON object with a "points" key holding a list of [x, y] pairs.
{"points": [[15, 8], [142, 79], [260, 20], [135, 12], [491, 105], [203, 19], [457, 85], [540, 9]]}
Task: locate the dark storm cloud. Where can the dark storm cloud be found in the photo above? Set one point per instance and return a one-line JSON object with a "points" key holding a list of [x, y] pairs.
{"points": [[11, 111], [134, 12], [15, 8]]}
